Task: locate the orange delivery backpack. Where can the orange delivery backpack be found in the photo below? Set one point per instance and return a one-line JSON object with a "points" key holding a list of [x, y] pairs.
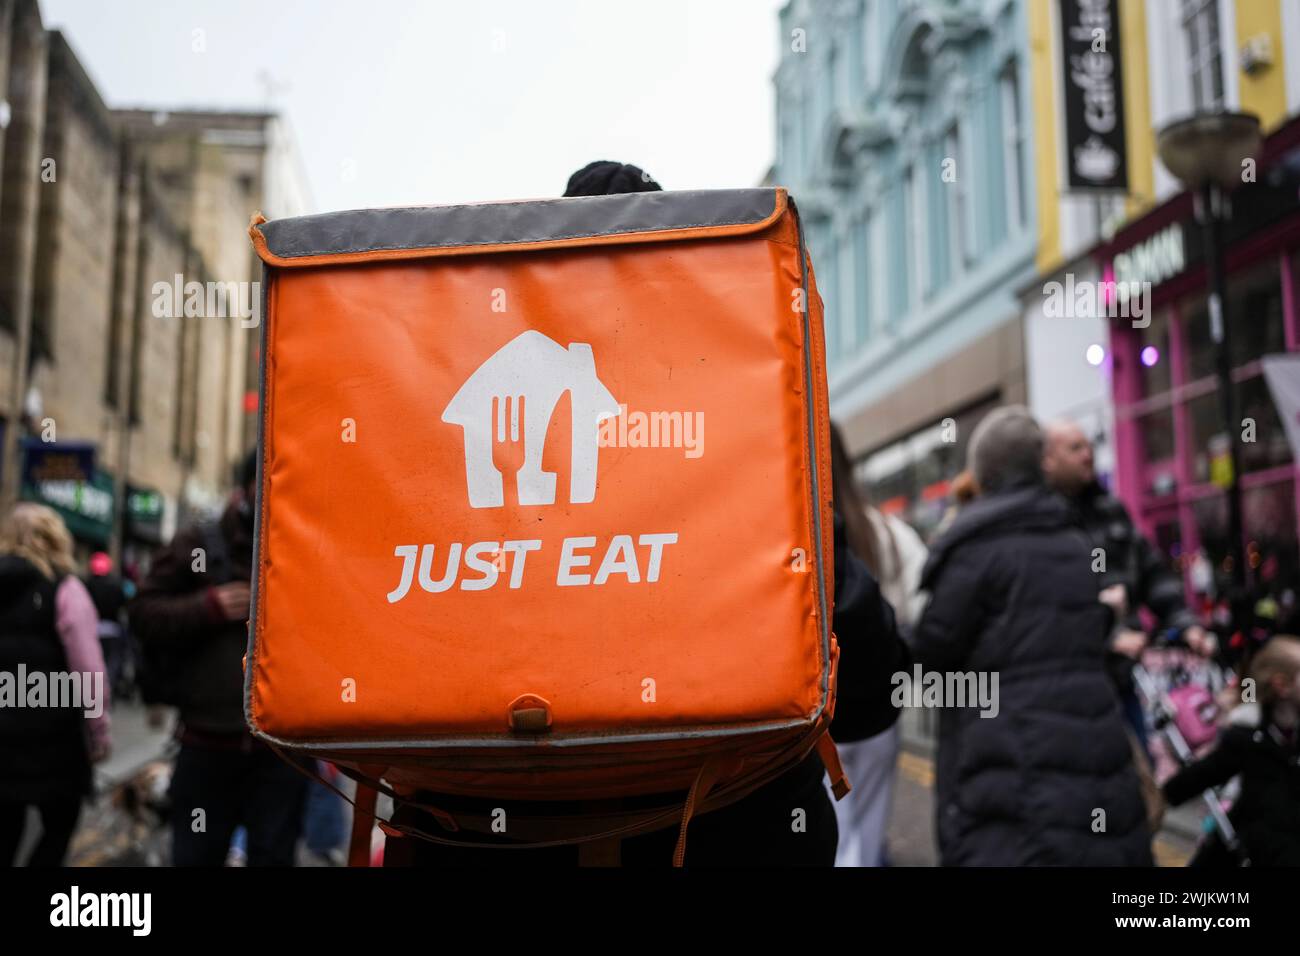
{"points": [[544, 507]]}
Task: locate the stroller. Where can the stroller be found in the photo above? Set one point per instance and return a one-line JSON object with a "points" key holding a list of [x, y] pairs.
{"points": [[1183, 711]]}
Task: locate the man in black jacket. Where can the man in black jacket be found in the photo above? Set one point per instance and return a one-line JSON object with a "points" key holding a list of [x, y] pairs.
{"points": [[1130, 562], [1045, 777], [195, 603]]}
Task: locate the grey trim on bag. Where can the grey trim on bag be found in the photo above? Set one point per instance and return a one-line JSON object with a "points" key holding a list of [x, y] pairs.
{"points": [[514, 223], [812, 460], [379, 745], [256, 576], [535, 741]]}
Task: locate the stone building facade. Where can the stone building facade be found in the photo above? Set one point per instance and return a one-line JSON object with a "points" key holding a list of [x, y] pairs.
{"points": [[903, 133], [107, 218]]}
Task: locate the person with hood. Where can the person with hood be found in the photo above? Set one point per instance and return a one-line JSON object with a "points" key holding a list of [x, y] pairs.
{"points": [[191, 616], [48, 626], [894, 555], [1045, 776], [755, 830]]}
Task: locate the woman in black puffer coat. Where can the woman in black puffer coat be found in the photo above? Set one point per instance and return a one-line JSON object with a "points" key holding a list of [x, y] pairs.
{"points": [[1049, 780]]}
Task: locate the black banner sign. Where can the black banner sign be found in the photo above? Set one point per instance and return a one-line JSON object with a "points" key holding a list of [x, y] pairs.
{"points": [[1095, 155]]}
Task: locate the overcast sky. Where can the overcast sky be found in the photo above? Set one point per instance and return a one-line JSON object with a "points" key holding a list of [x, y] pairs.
{"points": [[429, 101]]}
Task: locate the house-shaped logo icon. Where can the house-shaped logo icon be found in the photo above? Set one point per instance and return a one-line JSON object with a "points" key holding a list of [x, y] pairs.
{"points": [[539, 371]]}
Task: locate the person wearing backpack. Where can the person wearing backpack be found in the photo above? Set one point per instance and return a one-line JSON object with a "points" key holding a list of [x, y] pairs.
{"points": [[789, 821], [757, 830], [47, 626], [191, 618]]}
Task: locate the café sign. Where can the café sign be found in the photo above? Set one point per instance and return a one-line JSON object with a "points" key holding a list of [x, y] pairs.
{"points": [[1095, 144]]}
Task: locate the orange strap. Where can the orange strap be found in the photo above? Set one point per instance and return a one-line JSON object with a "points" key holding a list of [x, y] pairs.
{"points": [[704, 782], [831, 761], [363, 818], [622, 825]]}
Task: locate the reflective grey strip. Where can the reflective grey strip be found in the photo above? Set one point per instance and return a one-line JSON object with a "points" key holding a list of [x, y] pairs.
{"points": [[814, 479], [378, 744], [250, 664], [540, 220]]}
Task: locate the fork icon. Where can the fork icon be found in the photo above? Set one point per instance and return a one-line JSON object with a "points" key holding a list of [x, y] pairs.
{"points": [[490, 407], [508, 451]]}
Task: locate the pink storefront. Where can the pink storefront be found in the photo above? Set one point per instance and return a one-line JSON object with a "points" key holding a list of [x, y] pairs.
{"points": [[1170, 441]]}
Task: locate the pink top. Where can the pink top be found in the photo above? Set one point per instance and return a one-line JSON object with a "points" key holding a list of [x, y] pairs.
{"points": [[78, 625]]}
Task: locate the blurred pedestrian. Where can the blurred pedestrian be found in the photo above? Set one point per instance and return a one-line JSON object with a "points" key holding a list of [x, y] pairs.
{"points": [[109, 594], [1130, 562], [47, 628], [191, 616], [1266, 755], [1043, 776], [894, 554], [961, 493], [325, 819]]}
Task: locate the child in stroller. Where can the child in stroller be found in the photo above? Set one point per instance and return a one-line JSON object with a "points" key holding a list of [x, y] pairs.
{"points": [[1263, 826]]}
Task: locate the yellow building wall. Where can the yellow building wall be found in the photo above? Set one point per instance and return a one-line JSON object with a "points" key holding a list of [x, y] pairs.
{"points": [[1140, 137], [1137, 121], [1264, 93], [1042, 72]]}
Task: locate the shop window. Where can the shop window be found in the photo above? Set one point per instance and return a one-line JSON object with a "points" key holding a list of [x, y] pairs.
{"points": [[1255, 314], [1167, 536], [1255, 310], [1272, 551], [1204, 57], [1200, 347], [1013, 147], [1206, 419], [894, 491], [910, 477], [1154, 360], [1269, 520], [917, 231], [1157, 430], [1268, 513], [959, 205], [1269, 446], [1211, 516]]}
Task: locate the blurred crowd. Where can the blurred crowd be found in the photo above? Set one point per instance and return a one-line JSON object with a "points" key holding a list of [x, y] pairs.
{"points": [[1114, 695], [171, 642], [1115, 698]]}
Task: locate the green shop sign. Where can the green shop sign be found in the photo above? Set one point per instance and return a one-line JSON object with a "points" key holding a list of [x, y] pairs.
{"points": [[86, 506], [144, 513]]}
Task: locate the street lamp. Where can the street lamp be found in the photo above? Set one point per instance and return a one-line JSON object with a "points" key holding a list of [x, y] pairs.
{"points": [[1209, 153]]}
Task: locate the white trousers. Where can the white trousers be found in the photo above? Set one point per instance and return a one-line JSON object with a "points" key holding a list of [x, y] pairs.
{"points": [[863, 815]]}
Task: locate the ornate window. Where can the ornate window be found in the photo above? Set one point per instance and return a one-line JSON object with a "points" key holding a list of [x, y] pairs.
{"points": [[1204, 53]]}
